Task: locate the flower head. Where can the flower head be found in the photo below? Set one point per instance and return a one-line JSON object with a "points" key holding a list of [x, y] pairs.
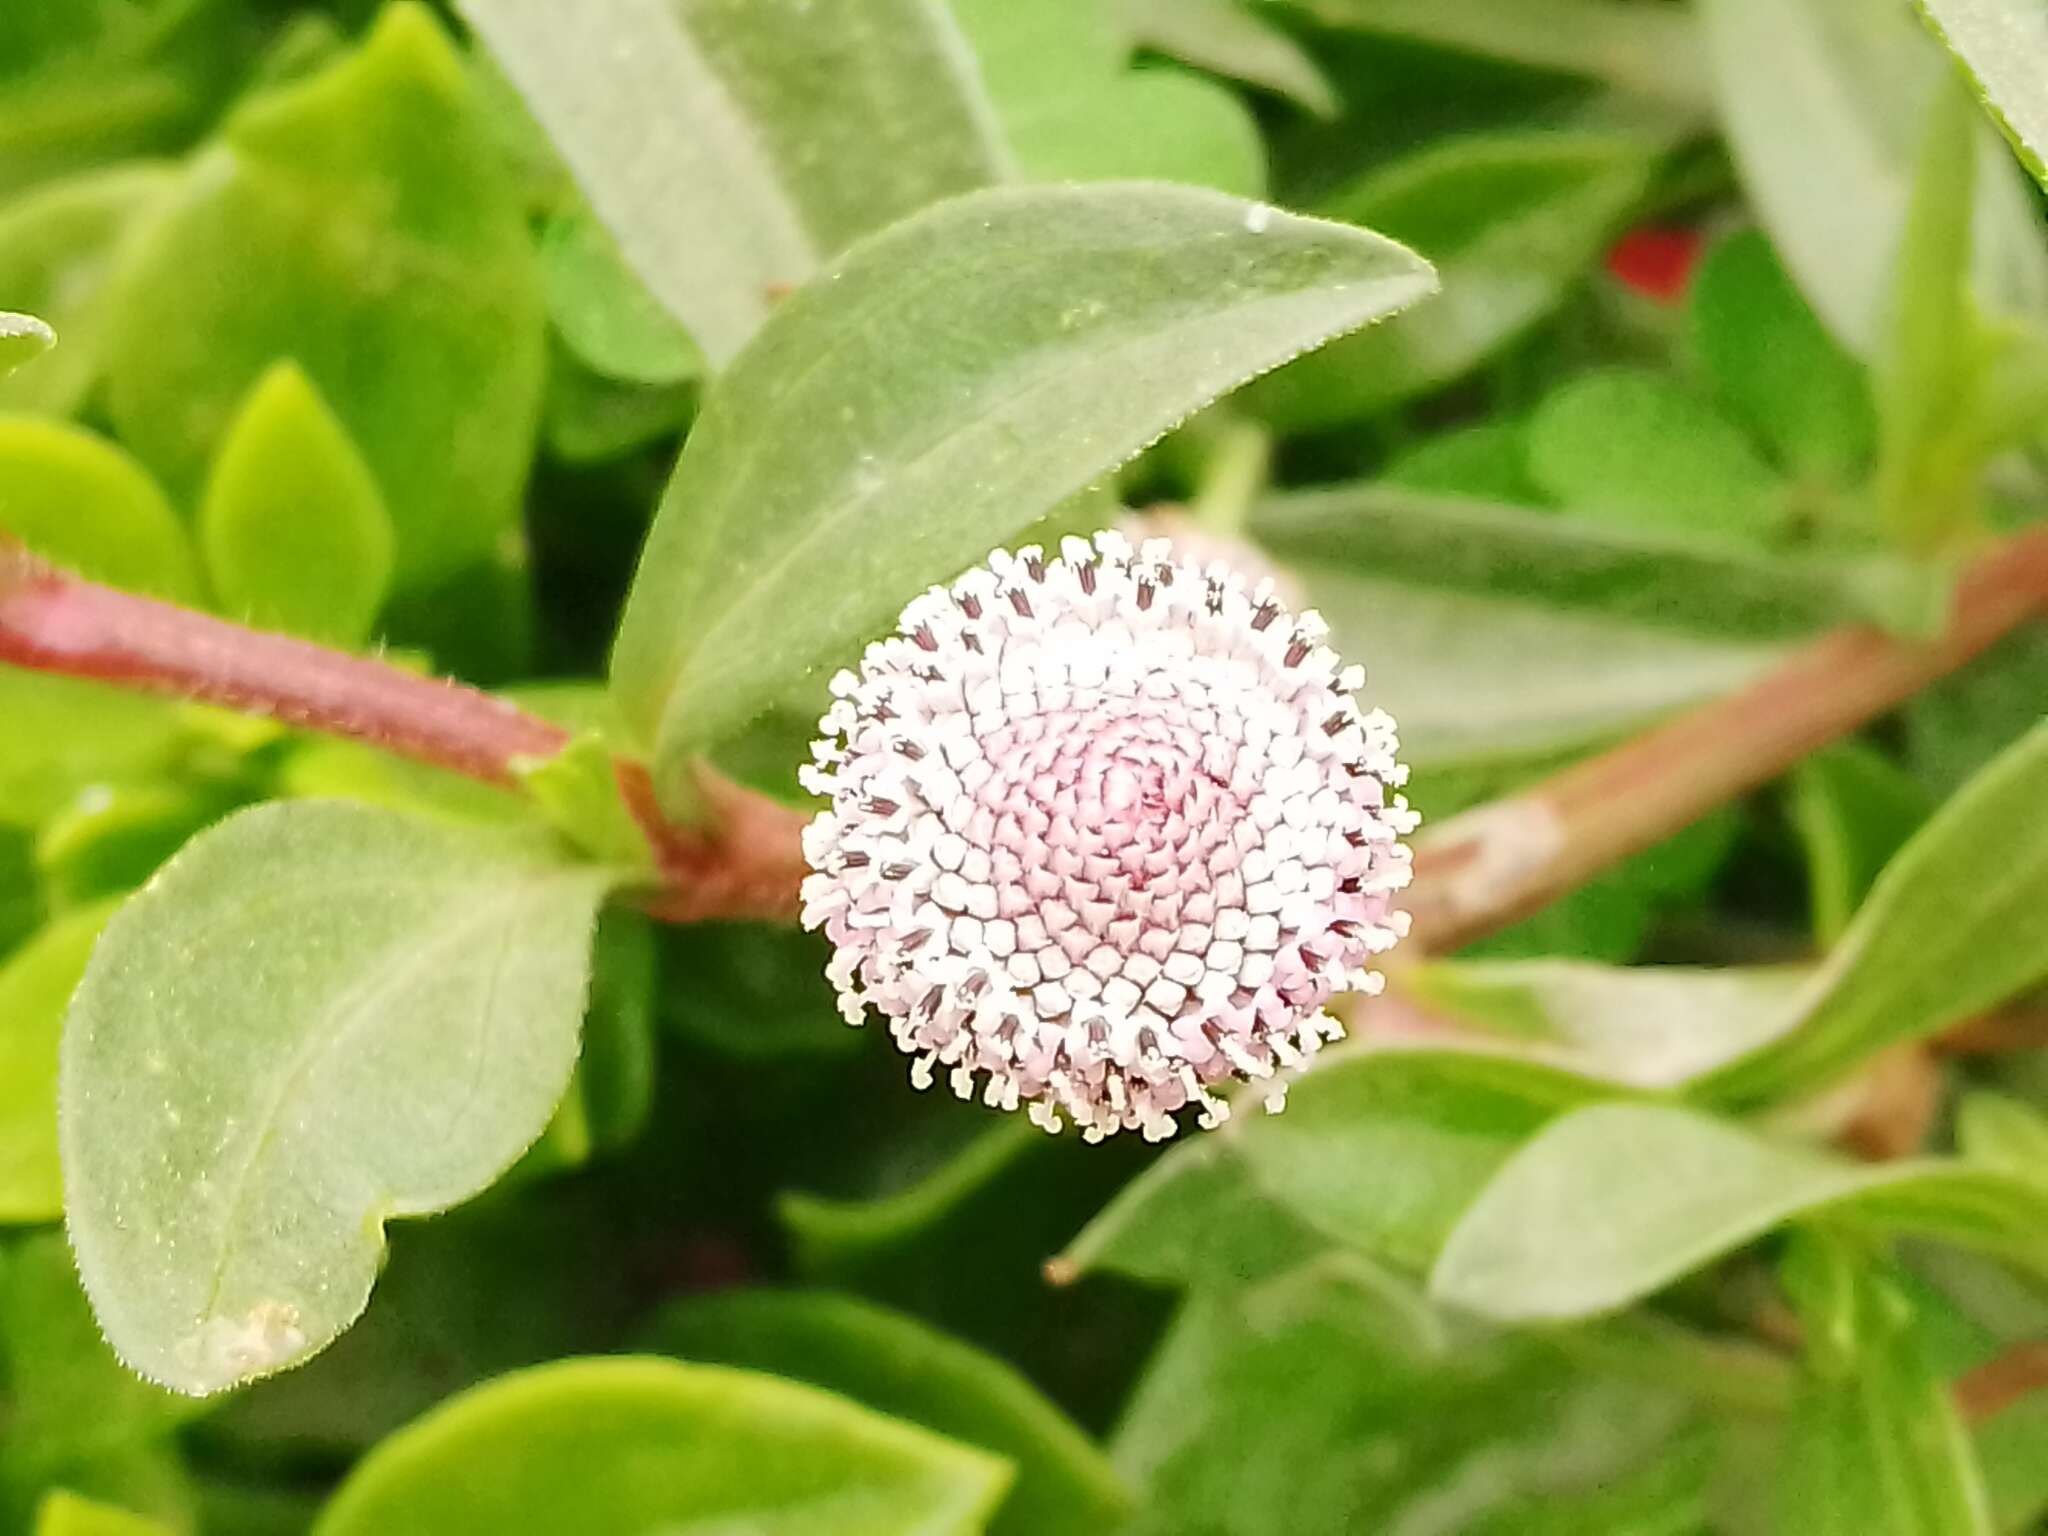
{"points": [[1107, 830]]}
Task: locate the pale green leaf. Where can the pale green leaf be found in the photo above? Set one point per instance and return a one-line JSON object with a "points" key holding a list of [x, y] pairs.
{"points": [[292, 525], [1853, 808], [899, 1366], [1195, 1219], [1392, 533], [318, 1017], [1512, 221], [361, 223], [1469, 676], [1957, 922], [1822, 102], [1652, 1026], [1229, 37], [2004, 45], [1613, 1202], [1649, 50], [35, 984], [80, 502], [1874, 1445], [2003, 1132], [57, 247], [622, 1447], [948, 383], [734, 146], [22, 338], [1380, 1150], [1927, 364]]}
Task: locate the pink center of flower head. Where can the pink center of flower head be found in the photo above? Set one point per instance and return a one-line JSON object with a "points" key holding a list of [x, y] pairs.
{"points": [[1106, 831]]}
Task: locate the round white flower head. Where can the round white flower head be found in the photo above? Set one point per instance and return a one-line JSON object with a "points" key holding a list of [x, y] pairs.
{"points": [[1106, 831]]}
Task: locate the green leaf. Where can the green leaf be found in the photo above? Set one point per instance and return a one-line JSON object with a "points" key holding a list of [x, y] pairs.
{"points": [[499, 1284], [66, 1514], [591, 419], [293, 526], [80, 502], [604, 313], [624, 1446], [1957, 922], [1648, 1193], [22, 338], [2002, 43], [611, 1093], [1615, 913], [1471, 677], [1822, 102], [1230, 38], [1929, 353], [1391, 533], [73, 1414], [318, 1017], [1853, 808], [1512, 221], [2003, 1132], [1650, 1026], [1651, 51], [735, 146], [36, 982], [578, 789], [1961, 723], [1072, 111], [62, 733], [1487, 461], [1329, 1393], [754, 992], [831, 1236], [1195, 1219], [1639, 449], [361, 223], [896, 1365], [57, 247], [1774, 365], [1875, 1447], [949, 382], [1381, 1150]]}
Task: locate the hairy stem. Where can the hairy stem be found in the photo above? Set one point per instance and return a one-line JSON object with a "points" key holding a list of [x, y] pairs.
{"points": [[1474, 874]]}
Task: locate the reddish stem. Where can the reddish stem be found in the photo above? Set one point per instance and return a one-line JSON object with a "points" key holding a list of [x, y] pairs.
{"points": [[1477, 873], [1481, 871], [749, 864], [54, 622]]}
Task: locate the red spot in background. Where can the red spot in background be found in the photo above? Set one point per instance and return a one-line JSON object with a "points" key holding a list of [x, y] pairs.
{"points": [[1656, 262]]}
